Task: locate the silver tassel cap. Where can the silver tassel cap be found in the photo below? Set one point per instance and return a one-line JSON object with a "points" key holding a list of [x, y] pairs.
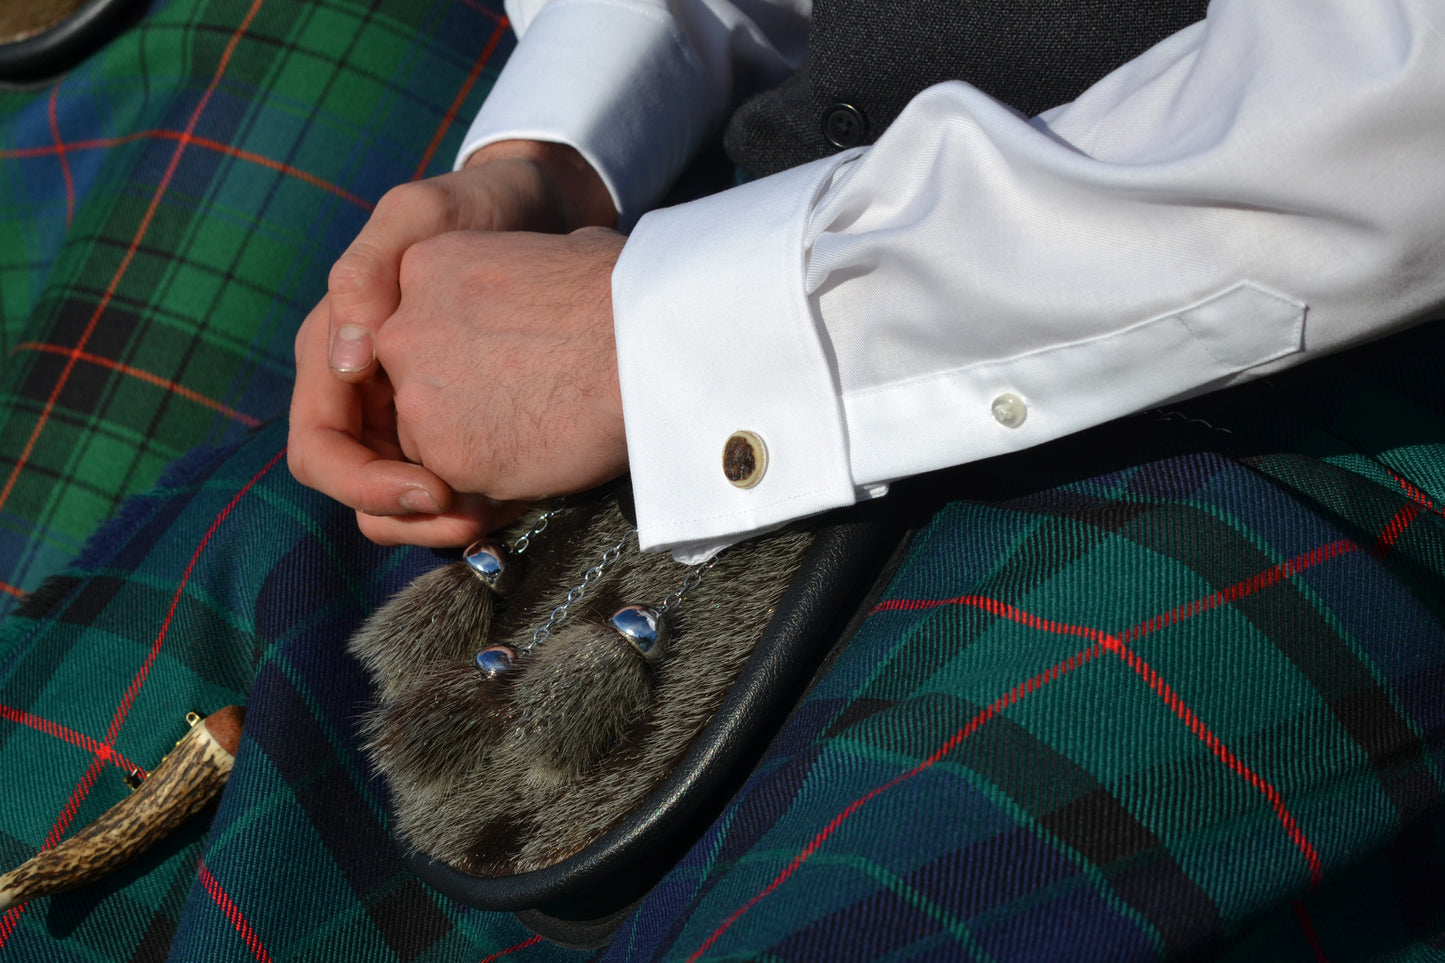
{"points": [[645, 628], [487, 560], [495, 660]]}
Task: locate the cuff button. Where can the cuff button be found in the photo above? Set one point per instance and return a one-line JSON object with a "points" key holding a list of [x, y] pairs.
{"points": [[744, 459], [1009, 410]]}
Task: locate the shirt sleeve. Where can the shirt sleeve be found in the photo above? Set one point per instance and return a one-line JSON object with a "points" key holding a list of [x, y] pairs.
{"points": [[635, 85], [1261, 188]]}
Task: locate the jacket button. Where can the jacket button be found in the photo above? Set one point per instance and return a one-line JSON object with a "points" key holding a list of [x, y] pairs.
{"points": [[844, 125], [744, 459]]}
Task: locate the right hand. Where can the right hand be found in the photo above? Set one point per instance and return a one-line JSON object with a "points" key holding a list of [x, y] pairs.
{"points": [[508, 186], [343, 429]]}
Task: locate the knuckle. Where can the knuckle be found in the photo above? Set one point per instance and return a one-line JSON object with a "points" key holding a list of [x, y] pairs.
{"points": [[355, 269], [420, 261], [415, 264], [432, 199]]}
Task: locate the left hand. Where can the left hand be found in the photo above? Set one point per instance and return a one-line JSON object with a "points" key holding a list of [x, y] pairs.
{"points": [[503, 370]]}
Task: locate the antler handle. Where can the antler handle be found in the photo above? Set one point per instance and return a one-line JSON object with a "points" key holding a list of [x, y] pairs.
{"points": [[189, 777]]}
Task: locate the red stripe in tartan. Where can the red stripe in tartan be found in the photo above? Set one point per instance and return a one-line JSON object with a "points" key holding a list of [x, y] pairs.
{"points": [[233, 913], [1102, 642], [513, 949], [1012, 696], [1308, 926], [66, 734], [12, 916], [9, 589], [60, 154], [1223, 753], [130, 252], [473, 5], [1249, 586], [1161, 688], [145, 376], [1416, 494], [465, 89], [204, 143], [1396, 527], [82, 789], [145, 668]]}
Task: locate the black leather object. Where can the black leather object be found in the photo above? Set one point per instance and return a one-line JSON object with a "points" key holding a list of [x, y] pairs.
{"points": [[837, 580], [66, 44]]}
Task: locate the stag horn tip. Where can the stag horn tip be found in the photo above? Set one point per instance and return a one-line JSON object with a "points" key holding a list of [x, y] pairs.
{"points": [[189, 777], [224, 725]]}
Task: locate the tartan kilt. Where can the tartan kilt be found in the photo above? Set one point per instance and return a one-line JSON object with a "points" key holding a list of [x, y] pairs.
{"points": [[1173, 688], [168, 214]]}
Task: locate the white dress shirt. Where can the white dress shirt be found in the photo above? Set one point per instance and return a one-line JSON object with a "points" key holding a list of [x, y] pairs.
{"points": [[1260, 188]]}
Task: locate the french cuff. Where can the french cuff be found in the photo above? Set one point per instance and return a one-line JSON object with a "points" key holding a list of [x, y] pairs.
{"points": [[612, 79], [734, 425]]}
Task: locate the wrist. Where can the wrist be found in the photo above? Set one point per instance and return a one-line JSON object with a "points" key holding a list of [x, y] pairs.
{"points": [[581, 197]]}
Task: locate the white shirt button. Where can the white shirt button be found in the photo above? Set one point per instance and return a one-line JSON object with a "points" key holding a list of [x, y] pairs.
{"points": [[1009, 410], [744, 459]]}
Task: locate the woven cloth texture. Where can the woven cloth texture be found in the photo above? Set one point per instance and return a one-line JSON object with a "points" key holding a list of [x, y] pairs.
{"points": [[1171, 689], [168, 213]]}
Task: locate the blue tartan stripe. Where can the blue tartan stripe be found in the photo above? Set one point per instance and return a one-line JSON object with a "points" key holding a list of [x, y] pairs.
{"points": [[1260, 662], [981, 772], [1170, 689]]}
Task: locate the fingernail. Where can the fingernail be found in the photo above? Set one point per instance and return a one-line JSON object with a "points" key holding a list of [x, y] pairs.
{"points": [[419, 501], [351, 348]]}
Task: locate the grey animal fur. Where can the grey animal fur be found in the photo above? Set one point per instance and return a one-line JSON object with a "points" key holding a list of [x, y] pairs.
{"points": [[502, 776]]}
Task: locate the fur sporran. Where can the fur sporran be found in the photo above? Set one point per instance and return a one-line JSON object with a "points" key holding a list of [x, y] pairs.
{"points": [[506, 772]]}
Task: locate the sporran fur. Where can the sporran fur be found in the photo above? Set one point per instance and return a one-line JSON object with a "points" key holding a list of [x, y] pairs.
{"points": [[514, 773]]}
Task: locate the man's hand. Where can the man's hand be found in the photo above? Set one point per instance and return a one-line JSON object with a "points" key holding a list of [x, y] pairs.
{"points": [[502, 362], [510, 186], [344, 432]]}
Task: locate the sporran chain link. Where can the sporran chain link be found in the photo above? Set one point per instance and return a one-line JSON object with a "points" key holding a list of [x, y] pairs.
{"points": [[538, 527], [643, 626], [576, 592], [689, 582]]}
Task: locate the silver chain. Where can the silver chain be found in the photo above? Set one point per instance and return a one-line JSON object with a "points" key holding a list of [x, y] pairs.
{"points": [[689, 583], [576, 592], [538, 527]]}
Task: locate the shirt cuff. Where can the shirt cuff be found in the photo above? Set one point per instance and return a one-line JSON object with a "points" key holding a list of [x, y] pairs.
{"points": [[614, 80], [716, 338]]}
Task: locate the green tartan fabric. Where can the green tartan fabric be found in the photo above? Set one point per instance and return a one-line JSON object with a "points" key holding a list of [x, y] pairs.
{"points": [[229, 583], [1172, 689], [170, 210]]}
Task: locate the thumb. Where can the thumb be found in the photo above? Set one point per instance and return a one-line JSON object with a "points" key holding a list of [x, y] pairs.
{"points": [[363, 286], [352, 351]]}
